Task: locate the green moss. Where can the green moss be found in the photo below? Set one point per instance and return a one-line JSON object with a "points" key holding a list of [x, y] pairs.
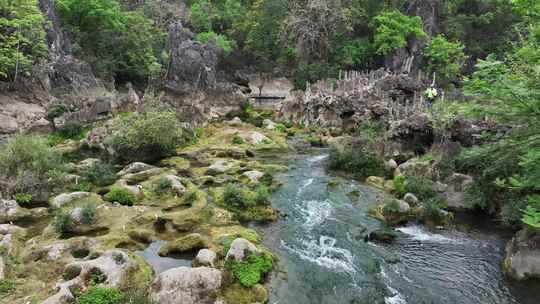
{"points": [[251, 271], [6, 287], [237, 140]]}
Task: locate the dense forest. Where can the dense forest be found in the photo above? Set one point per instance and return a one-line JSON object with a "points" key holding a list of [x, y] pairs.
{"points": [[479, 61]]}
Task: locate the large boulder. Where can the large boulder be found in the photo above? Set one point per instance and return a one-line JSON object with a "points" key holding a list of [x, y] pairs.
{"points": [[522, 259], [193, 65], [185, 285], [455, 191], [240, 250], [11, 211], [66, 198], [113, 268], [205, 257], [190, 242]]}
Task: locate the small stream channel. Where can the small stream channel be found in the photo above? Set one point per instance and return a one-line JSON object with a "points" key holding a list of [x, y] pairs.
{"points": [[324, 258]]}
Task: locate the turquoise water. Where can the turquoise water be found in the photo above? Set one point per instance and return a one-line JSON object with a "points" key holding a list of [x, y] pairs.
{"points": [[324, 258]]}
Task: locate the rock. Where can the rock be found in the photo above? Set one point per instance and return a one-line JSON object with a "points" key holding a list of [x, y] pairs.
{"points": [[375, 181], [418, 168], [141, 176], [268, 124], [391, 165], [135, 189], [2, 268], [389, 186], [8, 124], [522, 259], [11, 229], [135, 168], [11, 211], [219, 167], [179, 163], [176, 184], [383, 235], [234, 122], [193, 65], [455, 192], [205, 257], [114, 267], [411, 199], [77, 215], [403, 206], [256, 138], [185, 285], [253, 176], [190, 242], [85, 164], [240, 249], [66, 198]]}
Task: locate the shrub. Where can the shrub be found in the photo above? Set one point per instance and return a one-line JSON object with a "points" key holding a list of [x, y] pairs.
{"points": [[62, 222], [72, 130], [80, 186], [315, 141], [101, 295], [370, 129], [88, 213], [163, 185], [391, 206], [237, 140], [251, 271], [262, 195], [233, 196], [433, 209], [146, 137], [56, 110], [444, 57], [225, 44], [100, 174], [393, 29], [27, 162], [421, 187], [23, 198], [399, 184], [121, 196], [360, 163]]}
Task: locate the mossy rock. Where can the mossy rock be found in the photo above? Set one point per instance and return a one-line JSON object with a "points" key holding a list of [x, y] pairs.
{"points": [[176, 162], [375, 181], [189, 243], [238, 294]]}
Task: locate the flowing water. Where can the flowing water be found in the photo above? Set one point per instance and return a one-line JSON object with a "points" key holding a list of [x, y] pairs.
{"points": [[324, 258]]}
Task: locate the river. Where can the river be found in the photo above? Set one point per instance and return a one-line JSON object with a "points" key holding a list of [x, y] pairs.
{"points": [[323, 257]]}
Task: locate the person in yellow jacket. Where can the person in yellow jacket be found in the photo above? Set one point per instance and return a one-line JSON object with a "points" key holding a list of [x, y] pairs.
{"points": [[431, 94]]}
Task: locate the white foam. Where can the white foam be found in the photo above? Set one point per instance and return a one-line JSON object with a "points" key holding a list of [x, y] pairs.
{"points": [[325, 254], [305, 185], [418, 233], [317, 158], [395, 299], [315, 212]]}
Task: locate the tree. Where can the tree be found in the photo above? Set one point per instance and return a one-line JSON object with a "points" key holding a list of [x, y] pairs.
{"points": [[393, 29], [125, 45], [22, 38], [444, 58], [311, 26]]}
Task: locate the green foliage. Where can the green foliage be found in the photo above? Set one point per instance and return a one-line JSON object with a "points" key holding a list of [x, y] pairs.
{"points": [[251, 271], [100, 174], [531, 214], [80, 186], [88, 213], [28, 163], [444, 58], [121, 196], [357, 53], [233, 196], [22, 37], [23, 198], [421, 187], [393, 29], [399, 184], [6, 286], [370, 129], [226, 45], [433, 209], [358, 162], [237, 140], [101, 295], [56, 110], [391, 206], [62, 222], [146, 136], [262, 195], [125, 45], [202, 15], [163, 185]]}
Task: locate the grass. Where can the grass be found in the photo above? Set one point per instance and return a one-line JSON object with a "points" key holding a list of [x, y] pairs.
{"points": [[121, 196]]}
